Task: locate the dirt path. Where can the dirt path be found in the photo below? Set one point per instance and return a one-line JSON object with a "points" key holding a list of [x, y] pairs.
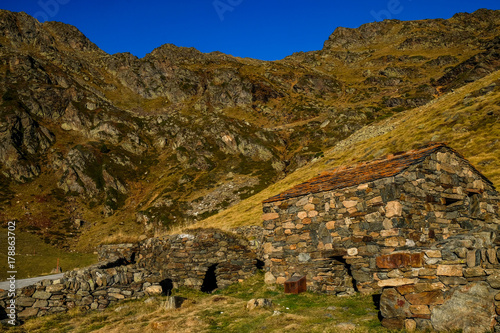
{"points": [[27, 282]]}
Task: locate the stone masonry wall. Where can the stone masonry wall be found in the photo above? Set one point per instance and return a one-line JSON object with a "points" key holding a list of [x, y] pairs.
{"points": [[94, 287], [186, 258], [182, 260], [334, 237], [113, 252], [453, 285]]}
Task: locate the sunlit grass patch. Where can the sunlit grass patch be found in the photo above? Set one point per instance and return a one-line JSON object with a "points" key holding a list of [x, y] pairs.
{"points": [[222, 311], [472, 129], [34, 257]]}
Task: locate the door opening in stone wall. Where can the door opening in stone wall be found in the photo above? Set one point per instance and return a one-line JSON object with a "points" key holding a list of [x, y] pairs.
{"points": [[210, 280], [167, 286], [117, 263], [339, 263]]}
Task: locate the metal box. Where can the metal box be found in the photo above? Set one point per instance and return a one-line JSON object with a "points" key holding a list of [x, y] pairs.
{"points": [[295, 285]]}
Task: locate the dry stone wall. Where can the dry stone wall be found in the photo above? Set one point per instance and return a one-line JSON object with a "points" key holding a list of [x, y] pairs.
{"points": [[334, 237], [112, 252], [185, 259], [204, 258], [453, 285], [94, 287]]}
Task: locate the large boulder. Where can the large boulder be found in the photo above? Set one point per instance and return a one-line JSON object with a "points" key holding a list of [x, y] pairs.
{"points": [[470, 309]]}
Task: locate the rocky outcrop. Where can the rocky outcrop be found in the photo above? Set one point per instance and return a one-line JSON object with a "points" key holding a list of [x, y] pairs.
{"points": [[103, 128], [21, 137], [432, 33], [474, 68]]}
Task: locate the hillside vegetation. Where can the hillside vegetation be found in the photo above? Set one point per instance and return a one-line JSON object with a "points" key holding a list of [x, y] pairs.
{"points": [[98, 148], [467, 119]]}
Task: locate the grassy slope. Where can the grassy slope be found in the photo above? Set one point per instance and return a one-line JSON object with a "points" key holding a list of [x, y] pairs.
{"points": [[472, 128], [467, 124], [223, 311], [34, 257], [469, 127]]}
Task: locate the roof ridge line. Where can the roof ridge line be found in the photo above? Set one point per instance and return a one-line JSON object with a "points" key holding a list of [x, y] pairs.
{"points": [[362, 172], [429, 145]]}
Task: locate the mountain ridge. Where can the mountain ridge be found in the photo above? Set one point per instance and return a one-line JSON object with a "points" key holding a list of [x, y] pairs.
{"points": [[141, 145]]}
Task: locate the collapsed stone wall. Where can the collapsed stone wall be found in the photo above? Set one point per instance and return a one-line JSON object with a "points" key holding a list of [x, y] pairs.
{"points": [[94, 287], [185, 259], [131, 271], [453, 285], [334, 237]]}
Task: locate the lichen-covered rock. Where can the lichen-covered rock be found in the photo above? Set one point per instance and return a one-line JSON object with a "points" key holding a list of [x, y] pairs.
{"points": [[393, 304], [259, 303], [469, 308]]}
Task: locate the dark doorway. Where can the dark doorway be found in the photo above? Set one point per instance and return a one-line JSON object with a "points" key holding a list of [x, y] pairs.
{"points": [[259, 264], [376, 302], [348, 269], [167, 286], [132, 258], [210, 280]]}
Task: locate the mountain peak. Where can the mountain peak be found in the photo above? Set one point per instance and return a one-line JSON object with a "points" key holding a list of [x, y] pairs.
{"points": [[70, 36], [421, 33], [22, 29]]}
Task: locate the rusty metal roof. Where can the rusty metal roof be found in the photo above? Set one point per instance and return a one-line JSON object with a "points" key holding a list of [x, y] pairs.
{"points": [[361, 173]]}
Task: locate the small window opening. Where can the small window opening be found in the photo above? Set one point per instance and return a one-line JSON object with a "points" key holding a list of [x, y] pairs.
{"points": [[210, 280], [450, 201]]}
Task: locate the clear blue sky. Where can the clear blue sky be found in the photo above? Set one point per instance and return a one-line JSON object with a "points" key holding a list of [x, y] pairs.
{"points": [[262, 29]]}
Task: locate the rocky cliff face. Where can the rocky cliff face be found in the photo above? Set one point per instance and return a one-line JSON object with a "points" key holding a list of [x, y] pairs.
{"points": [[179, 135]]}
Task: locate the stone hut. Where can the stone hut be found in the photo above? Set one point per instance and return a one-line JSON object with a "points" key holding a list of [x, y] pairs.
{"points": [[203, 259], [347, 229]]}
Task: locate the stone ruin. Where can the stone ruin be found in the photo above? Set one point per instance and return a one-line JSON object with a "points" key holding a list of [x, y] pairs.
{"points": [[418, 230], [204, 259]]}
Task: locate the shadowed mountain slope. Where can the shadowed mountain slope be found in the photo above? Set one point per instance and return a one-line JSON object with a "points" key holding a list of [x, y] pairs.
{"points": [[93, 144]]}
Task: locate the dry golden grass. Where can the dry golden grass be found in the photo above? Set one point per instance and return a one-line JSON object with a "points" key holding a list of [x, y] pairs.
{"points": [[473, 132], [120, 237], [223, 311]]}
